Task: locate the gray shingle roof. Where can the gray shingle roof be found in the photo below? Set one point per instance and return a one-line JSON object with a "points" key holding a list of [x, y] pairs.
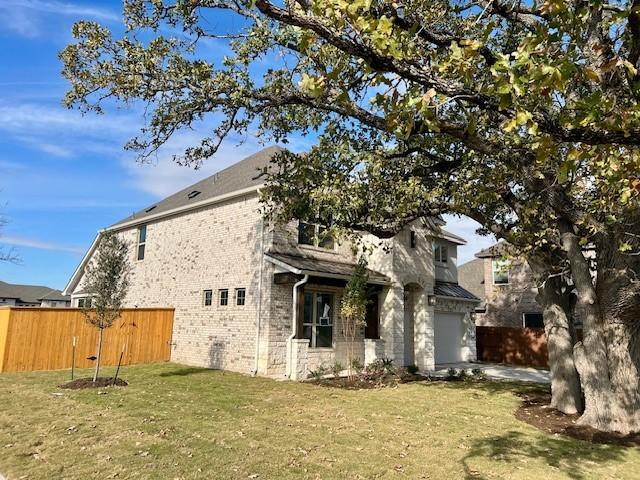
{"points": [[244, 174], [497, 250], [471, 276], [30, 294], [314, 266], [447, 289]]}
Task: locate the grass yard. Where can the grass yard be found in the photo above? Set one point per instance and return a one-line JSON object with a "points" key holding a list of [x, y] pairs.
{"points": [[177, 422]]}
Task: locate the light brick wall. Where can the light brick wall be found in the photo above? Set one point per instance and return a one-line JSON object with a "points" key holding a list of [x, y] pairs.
{"points": [[212, 248], [506, 304]]}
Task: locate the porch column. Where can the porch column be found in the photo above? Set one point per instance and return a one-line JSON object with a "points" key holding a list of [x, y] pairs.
{"points": [[423, 332], [299, 358], [469, 349], [392, 322]]}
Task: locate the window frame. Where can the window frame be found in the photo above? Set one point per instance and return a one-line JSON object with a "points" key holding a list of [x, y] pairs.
{"points": [[313, 340], [413, 239], [524, 319], [142, 243], [438, 247], [493, 271], [317, 241], [244, 297], [84, 301], [208, 292], [222, 291]]}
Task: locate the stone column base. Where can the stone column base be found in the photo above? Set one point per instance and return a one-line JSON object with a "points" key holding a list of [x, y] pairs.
{"points": [[373, 350], [299, 358]]}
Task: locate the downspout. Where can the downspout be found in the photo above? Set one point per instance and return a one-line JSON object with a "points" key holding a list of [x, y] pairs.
{"points": [[294, 322], [259, 311]]}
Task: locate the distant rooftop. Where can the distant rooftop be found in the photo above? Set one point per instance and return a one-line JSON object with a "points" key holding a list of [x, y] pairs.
{"points": [[30, 294]]}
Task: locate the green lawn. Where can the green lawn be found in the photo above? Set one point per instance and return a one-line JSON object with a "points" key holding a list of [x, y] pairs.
{"points": [[180, 422]]}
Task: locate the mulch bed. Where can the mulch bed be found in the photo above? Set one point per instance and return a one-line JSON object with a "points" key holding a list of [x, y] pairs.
{"points": [[100, 382], [535, 411], [362, 383]]}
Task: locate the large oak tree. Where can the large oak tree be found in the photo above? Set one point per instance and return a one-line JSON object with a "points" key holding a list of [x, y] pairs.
{"points": [[522, 115]]}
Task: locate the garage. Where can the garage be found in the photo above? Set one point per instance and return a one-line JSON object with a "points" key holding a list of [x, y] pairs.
{"points": [[448, 337]]}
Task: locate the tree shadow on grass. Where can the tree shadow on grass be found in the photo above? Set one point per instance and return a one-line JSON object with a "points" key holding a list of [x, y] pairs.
{"points": [[571, 457], [183, 372]]}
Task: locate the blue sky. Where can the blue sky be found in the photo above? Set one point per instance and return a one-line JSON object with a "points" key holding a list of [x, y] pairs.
{"points": [[64, 176]]}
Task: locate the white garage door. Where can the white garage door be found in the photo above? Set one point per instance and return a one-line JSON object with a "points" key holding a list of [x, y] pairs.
{"points": [[448, 337]]}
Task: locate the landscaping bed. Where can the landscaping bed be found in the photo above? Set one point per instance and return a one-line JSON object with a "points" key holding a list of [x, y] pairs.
{"points": [[100, 382], [535, 411]]}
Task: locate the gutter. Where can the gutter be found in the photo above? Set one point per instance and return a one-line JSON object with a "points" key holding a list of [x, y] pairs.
{"points": [[259, 307], [459, 299], [294, 323]]}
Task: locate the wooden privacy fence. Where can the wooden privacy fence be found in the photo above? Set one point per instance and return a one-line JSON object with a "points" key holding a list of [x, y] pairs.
{"points": [[42, 338], [513, 346]]}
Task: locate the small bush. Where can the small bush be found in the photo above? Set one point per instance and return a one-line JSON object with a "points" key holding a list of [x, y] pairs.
{"points": [[336, 369], [319, 373], [357, 365], [387, 364], [462, 374], [452, 374], [478, 374], [413, 369]]}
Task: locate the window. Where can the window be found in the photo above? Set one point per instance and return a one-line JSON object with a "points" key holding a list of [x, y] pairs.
{"points": [[317, 319], [500, 267], [142, 241], [208, 298], [440, 253], [372, 318], [533, 320], [224, 297], [84, 302], [412, 239], [314, 235], [241, 295]]}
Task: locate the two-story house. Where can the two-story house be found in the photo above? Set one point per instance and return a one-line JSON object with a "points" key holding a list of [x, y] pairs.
{"points": [[262, 298], [506, 286]]}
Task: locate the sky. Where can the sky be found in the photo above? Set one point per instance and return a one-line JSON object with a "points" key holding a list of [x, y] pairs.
{"points": [[63, 176]]}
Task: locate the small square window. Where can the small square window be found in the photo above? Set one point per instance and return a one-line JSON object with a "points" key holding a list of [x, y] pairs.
{"points": [[224, 297], [208, 298], [533, 320], [241, 296]]}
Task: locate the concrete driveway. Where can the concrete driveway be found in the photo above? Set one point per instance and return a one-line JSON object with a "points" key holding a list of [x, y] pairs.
{"points": [[497, 372]]}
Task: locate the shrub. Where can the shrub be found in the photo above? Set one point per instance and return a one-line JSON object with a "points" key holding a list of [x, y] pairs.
{"points": [[452, 374], [413, 369], [478, 374], [336, 369], [319, 373], [357, 365]]}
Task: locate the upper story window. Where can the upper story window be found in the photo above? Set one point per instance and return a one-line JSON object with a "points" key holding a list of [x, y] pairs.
{"points": [[500, 269], [314, 235], [241, 296], [440, 253], [208, 298], [142, 241], [224, 297]]}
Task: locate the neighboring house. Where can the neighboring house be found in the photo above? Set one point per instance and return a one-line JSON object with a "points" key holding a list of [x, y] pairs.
{"points": [[32, 296], [506, 286], [256, 297]]}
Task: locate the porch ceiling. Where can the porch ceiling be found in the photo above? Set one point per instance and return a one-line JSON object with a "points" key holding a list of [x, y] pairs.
{"points": [[321, 268]]}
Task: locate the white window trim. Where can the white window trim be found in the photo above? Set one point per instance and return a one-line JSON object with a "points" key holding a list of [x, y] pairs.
{"points": [[220, 290], [493, 274], [236, 296], [316, 239], [139, 243], [439, 262], [204, 297], [314, 325]]}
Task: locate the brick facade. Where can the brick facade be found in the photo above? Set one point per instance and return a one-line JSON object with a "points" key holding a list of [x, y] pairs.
{"points": [[220, 246]]}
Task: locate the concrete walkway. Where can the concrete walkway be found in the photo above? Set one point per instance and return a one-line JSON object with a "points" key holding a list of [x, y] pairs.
{"points": [[497, 372]]}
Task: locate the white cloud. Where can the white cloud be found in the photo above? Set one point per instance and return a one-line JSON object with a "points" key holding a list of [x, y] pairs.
{"points": [[41, 245], [466, 228], [163, 176], [24, 17]]}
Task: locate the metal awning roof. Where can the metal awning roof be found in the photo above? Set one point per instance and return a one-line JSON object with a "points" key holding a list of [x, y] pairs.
{"points": [[453, 290], [321, 268]]}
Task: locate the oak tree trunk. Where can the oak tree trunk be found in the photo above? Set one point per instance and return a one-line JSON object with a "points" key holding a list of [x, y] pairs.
{"points": [[559, 326], [607, 358]]}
